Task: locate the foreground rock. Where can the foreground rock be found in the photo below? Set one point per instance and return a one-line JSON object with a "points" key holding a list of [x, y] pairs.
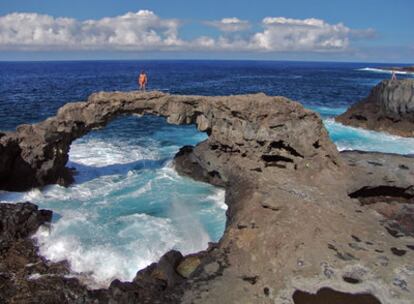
{"points": [[388, 108], [19, 221], [385, 183], [26, 277], [300, 227]]}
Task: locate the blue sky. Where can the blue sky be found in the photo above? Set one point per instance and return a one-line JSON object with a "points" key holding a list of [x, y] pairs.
{"points": [[378, 31]]}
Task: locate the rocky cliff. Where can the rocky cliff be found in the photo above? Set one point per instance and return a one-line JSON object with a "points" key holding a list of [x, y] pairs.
{"points": [[302, 224], [389, 107]]}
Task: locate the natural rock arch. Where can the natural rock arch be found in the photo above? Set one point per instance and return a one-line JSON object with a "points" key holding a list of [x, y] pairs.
{"points": [[279, 132], [291, 224]]}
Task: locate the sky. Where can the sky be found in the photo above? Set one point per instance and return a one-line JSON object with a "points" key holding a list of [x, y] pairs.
{"points": [[327, 30]]}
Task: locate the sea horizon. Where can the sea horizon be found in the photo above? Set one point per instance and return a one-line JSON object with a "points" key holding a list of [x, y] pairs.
{"points": [[386, 63], [207, 152]]}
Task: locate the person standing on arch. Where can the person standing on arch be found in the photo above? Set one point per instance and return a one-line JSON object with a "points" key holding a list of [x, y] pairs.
{"points": [[142, 81], [393, 76]]}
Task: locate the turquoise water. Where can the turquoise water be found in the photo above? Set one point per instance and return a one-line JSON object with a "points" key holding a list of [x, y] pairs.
{"points": [[128, 206], [349, 138]]}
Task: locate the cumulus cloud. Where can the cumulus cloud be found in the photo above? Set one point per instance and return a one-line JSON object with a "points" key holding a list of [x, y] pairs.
{"points": [[145, 31], [230, 24], [138, 31], [281, 34]]}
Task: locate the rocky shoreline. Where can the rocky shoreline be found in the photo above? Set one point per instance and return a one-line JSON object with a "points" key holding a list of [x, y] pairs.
{"points": [[305, 222], [409, 69], [388, 108]]}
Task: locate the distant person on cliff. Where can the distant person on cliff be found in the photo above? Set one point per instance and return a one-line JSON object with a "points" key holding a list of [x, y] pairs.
{"points": [[142, 81], [393, 76]]}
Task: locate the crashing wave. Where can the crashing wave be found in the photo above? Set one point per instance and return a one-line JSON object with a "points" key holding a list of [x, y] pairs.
{"points": [[385, 71]]}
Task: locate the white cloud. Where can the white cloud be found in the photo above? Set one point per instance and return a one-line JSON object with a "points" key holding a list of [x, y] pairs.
{"points": [[145, 31], [281, 34], [137, 31], [230, 24]]}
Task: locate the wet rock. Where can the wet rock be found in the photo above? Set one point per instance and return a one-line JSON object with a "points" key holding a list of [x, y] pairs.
{"points": [[21, 220]]}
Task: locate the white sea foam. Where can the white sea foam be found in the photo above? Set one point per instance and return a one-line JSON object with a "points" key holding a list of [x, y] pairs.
{"points": [[98, 153], [385, 71], [141, 240], [194, 236], [116, 220], [98, 226], [218, 198], [168, 172], [350, 138]]}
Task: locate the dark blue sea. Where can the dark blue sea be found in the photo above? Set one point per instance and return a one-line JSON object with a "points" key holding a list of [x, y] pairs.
{"points": [[128, 206]]}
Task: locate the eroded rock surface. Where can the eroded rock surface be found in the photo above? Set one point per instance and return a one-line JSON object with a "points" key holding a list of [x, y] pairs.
{"points": [[389, 107], [272, 131], [293, 223], [385, 183]]}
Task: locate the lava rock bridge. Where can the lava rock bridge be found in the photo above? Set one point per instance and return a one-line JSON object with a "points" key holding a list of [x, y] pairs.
{"points": [[256, 126], [300, 221]]}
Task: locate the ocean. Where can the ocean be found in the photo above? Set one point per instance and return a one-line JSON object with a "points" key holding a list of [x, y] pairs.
{"points": [[128, 206]]}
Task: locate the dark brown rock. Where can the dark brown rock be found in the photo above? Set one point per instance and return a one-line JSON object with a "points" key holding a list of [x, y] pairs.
{"points": [[291, 221], [389, 108], [21, 220]]}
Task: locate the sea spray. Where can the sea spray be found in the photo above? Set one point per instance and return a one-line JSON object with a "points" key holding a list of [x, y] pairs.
{"points": [[127, 206], [350, 138]]}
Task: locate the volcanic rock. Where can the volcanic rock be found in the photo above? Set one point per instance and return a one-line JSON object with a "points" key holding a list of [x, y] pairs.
{"points": [[296, 218], [21, 220], [271, 131], [389, 107]]}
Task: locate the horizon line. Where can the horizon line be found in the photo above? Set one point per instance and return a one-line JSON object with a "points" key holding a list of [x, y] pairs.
{"points": [[201, 59]]}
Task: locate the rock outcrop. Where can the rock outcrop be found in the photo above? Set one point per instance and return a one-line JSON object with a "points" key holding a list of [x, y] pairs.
{"points": [[407, 69], [19, 221], [385, 183], [300, 223], [26, 277], [389, 108], [256, 126]]}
